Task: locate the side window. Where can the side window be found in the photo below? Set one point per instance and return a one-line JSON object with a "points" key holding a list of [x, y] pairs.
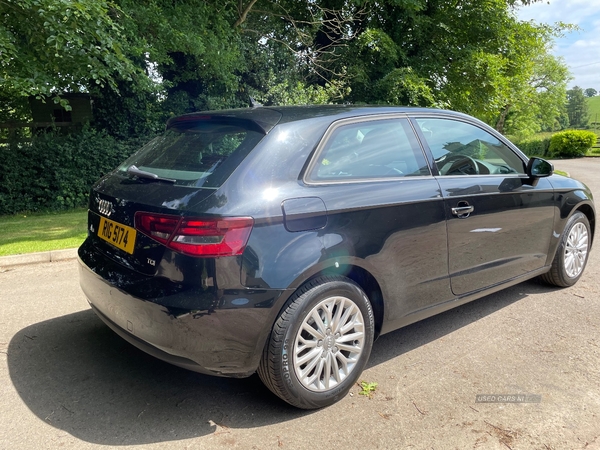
{"points": [[460, 148], [370, 149]]}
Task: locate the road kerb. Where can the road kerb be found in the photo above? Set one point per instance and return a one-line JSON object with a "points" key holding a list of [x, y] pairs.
{"points": [[37, 258]]}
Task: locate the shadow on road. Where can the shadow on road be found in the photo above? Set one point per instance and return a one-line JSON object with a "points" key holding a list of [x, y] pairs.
{"points": [[74, 373]]}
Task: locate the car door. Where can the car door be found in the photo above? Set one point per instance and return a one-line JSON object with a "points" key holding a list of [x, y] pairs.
{"points": [[499, 222], [385, 211]]}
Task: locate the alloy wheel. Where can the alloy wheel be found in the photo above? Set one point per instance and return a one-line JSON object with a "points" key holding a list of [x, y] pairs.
{"points": [[576, 250], [329, 343]]}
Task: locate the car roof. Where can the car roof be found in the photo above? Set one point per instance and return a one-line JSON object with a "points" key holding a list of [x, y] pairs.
{"points": [[269, 116]]}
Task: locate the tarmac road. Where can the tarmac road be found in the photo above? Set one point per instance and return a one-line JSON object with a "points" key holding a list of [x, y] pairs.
{"points": [[67, 381]]}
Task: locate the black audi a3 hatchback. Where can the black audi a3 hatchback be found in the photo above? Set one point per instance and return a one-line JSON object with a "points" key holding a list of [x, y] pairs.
{"points": [[284, 240]]}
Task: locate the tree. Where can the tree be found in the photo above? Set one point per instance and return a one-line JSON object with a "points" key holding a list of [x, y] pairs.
{"points": [[144, 60], [577, 108], [474, 57], [590, 92], [540, 104], [48, 47], [197, 54]]}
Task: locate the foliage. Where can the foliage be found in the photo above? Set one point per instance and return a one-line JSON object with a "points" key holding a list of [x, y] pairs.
{"points": [[572, 143], [367, 389], [535, 146], [56, 171], [475, 57], [144, 61], [404, 87], [590, 92], [190, 45], [52, 46], [127, 113], [577, 108], [285, 93], [541, 106], [13, 108]]}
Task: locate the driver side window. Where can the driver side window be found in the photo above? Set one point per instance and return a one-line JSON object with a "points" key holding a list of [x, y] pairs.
{"points": [[460, 148]]}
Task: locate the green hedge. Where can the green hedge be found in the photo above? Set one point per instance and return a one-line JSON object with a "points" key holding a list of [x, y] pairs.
{"points": [[55, 171], [571, 143], [535, 146]]}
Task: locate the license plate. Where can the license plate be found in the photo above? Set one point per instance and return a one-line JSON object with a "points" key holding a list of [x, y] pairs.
{"points": [[119, 235]]}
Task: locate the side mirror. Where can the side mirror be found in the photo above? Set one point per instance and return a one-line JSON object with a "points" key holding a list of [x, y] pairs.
{"points": [[539, 168]]}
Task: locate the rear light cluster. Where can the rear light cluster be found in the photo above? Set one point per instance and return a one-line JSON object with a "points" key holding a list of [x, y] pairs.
{"points": [[194, 236]]}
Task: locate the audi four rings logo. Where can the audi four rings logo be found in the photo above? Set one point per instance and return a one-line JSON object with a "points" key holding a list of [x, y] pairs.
{"points": [[105, 207]]}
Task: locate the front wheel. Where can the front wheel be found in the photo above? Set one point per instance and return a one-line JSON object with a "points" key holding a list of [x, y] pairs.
{"points": [[572, 253], [320, 344]]}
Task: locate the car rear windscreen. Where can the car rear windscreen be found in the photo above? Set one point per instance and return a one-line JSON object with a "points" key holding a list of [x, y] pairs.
{"points": [[197, 153]]}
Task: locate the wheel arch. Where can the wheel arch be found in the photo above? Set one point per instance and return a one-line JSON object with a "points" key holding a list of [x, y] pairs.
{"points": [[304, 382], [589, 212], [367, 283]]}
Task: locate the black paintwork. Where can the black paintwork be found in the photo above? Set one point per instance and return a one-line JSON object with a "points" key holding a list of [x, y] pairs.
{"points": [[397, 238]]}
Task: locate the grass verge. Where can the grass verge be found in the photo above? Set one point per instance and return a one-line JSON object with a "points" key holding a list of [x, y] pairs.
{"points": [[38, 232], [593, 110]]}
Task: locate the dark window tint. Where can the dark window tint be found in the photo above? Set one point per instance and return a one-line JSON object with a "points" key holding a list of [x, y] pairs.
{"points": [[370, 149], [61, 115], [460, 148], [198, 154]]}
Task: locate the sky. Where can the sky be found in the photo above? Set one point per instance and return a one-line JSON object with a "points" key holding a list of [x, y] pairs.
{"points": [[580, 49]]}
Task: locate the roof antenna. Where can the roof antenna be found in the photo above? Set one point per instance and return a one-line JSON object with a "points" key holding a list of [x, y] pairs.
{"points": [[254, 103]]}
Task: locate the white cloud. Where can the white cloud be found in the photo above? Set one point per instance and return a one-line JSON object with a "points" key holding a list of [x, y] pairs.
{"points": [[580, 49], [568, 11]]}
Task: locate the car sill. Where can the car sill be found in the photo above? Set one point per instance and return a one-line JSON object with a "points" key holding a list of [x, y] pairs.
{"points": [[461, 300]]}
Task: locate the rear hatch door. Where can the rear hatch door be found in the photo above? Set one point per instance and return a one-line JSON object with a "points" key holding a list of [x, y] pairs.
{"points": [[134, 210]]}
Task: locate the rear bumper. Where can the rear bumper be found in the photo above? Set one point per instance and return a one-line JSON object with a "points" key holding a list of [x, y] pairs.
{"points": [[150, 349], [226, 340]]}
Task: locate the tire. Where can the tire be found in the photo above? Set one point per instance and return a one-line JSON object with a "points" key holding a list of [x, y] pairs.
{"points": [[572, 252], [320, 343]]}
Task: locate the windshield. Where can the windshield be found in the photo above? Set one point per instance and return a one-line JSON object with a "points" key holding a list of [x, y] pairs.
{"points": [[197, 154]]}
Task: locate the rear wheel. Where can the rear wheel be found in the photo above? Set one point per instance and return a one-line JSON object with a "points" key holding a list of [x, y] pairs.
{"points": [[572, 253], [320, 344]]}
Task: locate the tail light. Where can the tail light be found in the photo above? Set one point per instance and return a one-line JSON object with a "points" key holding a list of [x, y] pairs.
{"points": [[195, 236]]}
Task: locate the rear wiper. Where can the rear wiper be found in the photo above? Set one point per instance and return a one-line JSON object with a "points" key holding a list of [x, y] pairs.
{"points": [[134, 171]]}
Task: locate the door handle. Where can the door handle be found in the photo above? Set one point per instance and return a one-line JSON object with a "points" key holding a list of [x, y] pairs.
{"points": [[463, 211]]}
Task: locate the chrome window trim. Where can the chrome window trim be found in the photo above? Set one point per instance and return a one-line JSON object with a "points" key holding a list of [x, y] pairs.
{"points": [[368, 180]]}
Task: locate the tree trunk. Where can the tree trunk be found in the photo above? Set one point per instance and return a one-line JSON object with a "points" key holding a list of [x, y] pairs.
{"points": [[243, 12], [502, 119]]}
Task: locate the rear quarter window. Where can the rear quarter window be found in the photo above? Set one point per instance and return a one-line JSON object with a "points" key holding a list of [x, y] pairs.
{"points": [[196, 154], [371, 149]]}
